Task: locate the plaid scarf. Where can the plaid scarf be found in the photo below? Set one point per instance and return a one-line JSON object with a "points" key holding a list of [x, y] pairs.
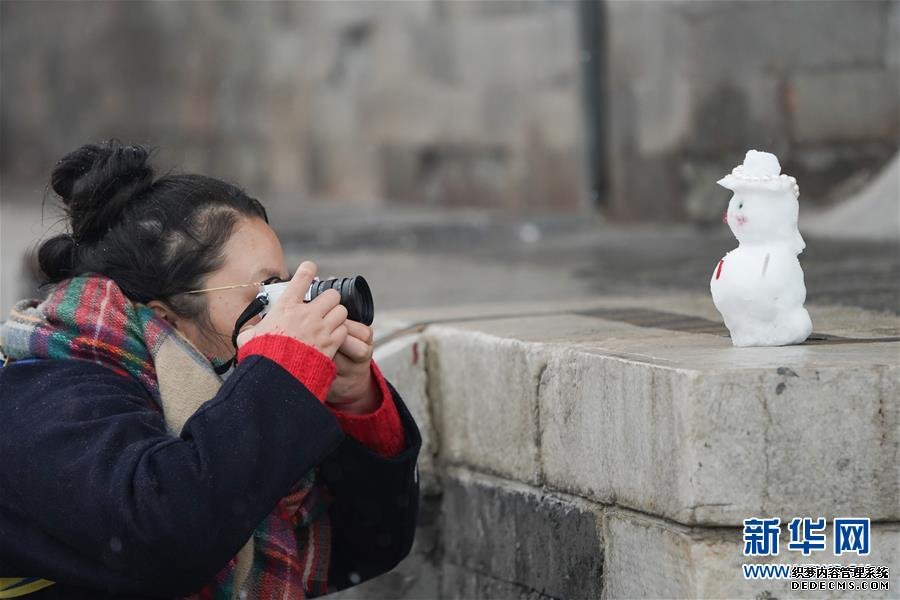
{"points": [[89, 318]]}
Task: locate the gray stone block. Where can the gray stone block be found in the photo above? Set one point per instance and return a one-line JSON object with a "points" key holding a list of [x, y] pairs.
{"points": [[651, 558], [419, 112], [673, 423], [435, 58], [487, 413], [484, 8], [402, 361], [700, 446], [892, 34], [780, 35], [545, 43], [694, 81], [845, 105], [447, 174], [609, 430], [510, 532]]}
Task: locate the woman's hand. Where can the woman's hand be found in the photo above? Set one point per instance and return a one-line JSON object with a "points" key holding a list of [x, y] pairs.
{"points": [[354, 389], [319, 323]]}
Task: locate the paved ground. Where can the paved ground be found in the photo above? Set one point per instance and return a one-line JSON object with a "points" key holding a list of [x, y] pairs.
{"points": [[640, 411], [473, 260], [420, 259]]}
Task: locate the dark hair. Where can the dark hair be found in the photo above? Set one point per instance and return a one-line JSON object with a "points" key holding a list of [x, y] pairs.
{"points": [[154, 238]]}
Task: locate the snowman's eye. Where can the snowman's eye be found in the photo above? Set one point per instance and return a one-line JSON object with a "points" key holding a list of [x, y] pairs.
{"points": [[741, 205]]}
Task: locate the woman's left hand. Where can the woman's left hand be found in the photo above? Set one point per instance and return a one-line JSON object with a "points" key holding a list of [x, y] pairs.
{"points": [[353, 389]]}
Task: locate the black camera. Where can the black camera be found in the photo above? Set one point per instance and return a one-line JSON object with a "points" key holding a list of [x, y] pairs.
{"points": [[355, 296]]}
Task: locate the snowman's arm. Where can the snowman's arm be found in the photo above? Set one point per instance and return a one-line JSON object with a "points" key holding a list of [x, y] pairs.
{"points": [[717, 272], [768, 288]]}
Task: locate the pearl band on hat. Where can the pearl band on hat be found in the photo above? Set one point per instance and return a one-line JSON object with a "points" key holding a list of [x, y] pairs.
{"points": [[780, 180]]}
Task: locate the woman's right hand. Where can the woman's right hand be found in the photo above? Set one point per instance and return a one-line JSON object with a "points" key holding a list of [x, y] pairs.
{"points": [[319, 323]]}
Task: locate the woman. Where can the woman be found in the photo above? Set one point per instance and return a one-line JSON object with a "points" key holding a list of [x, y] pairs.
{"points": [[129, 469]]}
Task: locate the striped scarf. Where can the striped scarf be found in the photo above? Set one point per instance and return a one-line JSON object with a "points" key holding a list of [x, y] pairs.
{"points": [[89, 318]]}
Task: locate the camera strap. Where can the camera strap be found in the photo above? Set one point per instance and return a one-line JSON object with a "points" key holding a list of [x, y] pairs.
{"points": [[253, 309]]}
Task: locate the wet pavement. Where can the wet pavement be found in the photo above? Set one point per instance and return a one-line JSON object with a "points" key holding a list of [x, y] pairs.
{"points": [[414, 258], [472, 261]]}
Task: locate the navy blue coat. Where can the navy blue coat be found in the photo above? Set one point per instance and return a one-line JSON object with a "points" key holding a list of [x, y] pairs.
{"points": [[97, 496]]}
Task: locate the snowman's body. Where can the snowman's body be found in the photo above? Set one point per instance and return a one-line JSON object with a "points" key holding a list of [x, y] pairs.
{"points": [[760, 292], [758, 287]]}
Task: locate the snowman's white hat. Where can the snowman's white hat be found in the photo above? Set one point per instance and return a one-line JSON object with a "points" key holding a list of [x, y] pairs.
{"points": [[761, 171]]}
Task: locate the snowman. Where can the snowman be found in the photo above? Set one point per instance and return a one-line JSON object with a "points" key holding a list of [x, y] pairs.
{"points": [[758, 287]]}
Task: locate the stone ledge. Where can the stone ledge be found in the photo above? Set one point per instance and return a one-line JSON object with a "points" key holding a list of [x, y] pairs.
{"points": [[717, 447], [657, 417], [548, 543], [647, 557], [403, 362]]}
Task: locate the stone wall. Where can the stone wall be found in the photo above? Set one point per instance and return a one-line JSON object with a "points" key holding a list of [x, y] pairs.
{"points": [[434, 103], [693, 84], [456, 103], [612, 448]]}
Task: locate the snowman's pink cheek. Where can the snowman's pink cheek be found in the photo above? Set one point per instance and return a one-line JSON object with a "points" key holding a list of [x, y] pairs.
{"points": [[741, 220], [725, 217]]}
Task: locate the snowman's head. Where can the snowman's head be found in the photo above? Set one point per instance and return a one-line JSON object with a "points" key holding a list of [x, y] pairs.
{"points": [[764, 207]]}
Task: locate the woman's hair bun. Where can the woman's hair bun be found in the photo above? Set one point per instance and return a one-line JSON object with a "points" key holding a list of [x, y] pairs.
{"points": [[56, 257], [97, 182]]}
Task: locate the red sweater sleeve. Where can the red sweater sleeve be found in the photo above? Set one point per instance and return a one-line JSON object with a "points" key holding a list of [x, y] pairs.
{"points": [[381, 430], [307, 364]]}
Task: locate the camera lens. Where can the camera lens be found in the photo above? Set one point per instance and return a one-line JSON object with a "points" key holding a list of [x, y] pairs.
{"points": [[355, 296]]}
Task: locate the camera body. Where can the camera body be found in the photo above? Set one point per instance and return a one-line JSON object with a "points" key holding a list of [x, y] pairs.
{"points": [[356, 296], [271, 292]]}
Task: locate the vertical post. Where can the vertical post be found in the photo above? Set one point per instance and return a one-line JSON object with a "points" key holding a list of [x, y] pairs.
{"points": [[594, 76]]}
